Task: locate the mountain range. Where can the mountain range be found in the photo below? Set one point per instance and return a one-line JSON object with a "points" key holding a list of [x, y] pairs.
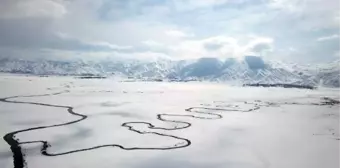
{"points": [[252, 69]]}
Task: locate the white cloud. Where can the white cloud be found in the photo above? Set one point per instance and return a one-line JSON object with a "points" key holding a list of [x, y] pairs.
{"points": [[110, 45], [220, 47], [326, 38], [313, 14], [292, 49], [146, 56], [337, 54], [183, 5], [178, 29], [260, 46], [152, 43], [32, 8], [177, 33], [289, 5]]}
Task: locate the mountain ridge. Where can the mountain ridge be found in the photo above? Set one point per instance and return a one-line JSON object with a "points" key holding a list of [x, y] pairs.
{"points": [[252, 69]]}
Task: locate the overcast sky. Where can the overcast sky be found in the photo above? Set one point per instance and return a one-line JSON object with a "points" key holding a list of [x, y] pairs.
{"points": [[289, 30]]}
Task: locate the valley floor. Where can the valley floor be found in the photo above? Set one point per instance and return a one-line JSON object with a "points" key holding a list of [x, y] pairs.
{"points": [[66, 122]]}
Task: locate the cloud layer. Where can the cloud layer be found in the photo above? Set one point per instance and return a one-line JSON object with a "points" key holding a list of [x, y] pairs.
{"points": [[293, 30]]}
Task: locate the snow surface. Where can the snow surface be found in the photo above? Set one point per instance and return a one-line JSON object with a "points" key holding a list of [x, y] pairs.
{"points": [[278, 135]]}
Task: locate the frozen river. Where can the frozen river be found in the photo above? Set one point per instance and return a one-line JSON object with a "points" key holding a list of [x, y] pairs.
{"points": [[63, 122]]}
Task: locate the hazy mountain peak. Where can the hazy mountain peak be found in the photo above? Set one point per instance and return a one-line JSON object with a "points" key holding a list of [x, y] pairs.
{"points": [[254, 62], [252, 69]]}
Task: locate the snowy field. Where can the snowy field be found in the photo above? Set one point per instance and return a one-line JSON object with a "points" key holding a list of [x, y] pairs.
{"points": [[63, 122]]}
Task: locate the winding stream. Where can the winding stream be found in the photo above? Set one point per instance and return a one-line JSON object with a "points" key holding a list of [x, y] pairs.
{"points": [[19, 159]]}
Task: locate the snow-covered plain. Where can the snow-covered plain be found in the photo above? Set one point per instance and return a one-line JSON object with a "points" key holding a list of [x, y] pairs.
{"points": [[287, 128]]}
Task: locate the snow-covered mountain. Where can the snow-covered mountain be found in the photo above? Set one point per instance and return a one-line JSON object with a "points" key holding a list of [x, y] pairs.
{"points": [[252, 69]]}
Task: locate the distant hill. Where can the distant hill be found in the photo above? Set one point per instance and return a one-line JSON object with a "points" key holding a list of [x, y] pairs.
{"points": [[251, 69]]}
